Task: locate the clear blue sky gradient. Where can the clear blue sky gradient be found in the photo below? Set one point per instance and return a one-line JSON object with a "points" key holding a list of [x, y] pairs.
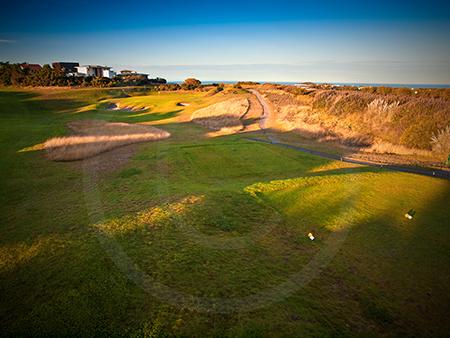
{"points": [[278, 41]]}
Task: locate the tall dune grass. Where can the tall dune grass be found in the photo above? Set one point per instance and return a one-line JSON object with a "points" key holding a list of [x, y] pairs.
{"points": [[371, 122], [441, 141], [224, 116], [93, 137]]}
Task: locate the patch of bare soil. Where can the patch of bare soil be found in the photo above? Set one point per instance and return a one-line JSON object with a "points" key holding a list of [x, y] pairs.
{"points": [[254, 113]]}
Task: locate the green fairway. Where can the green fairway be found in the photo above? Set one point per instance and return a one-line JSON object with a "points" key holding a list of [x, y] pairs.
{"points": [[198, 236]]}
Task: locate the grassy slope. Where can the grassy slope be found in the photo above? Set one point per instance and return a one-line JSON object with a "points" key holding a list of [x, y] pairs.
{"points": [[388, 279]]}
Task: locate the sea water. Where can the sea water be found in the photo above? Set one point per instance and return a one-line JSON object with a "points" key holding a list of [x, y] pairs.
{"points": [[394, 85]]}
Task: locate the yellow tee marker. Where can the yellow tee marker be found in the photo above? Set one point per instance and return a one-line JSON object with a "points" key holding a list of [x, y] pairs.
{"points": [[410, 214]]}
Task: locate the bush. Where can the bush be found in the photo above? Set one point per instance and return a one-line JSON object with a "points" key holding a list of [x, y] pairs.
{"points": [[192, 81], [402, 91], [296, 91], [11, 74], [169, 87], [46, 76], [418, 135], [188, 86], [384, 90]]}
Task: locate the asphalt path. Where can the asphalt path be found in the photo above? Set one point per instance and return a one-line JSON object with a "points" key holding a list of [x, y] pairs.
{"points": [[262, 125]]}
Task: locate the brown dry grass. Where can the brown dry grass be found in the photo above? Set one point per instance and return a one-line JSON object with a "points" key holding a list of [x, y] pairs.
{"points": [[358, 122], [224, 116], [93, 137]]}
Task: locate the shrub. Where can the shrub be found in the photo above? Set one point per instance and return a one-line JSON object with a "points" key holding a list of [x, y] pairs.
{"points": [[384, 90], [169, 87], [418, 135], [192, 81], [403, 91], [11, 74]]}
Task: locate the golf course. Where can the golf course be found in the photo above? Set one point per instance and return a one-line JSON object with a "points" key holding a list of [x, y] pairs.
{"points": [[158, 221]]}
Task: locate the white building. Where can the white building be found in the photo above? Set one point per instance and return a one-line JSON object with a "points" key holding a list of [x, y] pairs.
{"points": [[96, 71]]}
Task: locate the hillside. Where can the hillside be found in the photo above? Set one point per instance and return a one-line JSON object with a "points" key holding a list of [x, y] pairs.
{"points": [[365, 122]]}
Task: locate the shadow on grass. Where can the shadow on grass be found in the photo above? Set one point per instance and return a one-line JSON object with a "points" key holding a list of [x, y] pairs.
{"points": [[394, 268]]}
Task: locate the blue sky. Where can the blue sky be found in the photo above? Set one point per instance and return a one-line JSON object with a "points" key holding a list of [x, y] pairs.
{"points": [[326, 41]]}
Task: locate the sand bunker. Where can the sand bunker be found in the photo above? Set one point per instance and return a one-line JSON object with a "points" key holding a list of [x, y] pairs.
{"points": [[183, 104], [116, 106]]}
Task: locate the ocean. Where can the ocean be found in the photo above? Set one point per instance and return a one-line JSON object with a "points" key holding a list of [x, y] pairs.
{"points": [[394, 85]]}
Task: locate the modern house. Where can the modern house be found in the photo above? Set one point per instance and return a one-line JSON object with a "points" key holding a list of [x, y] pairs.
{"points": [[66, 67], [96, 71]]}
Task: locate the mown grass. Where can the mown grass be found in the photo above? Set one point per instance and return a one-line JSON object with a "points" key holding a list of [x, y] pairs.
{"points": [[388, 278]]}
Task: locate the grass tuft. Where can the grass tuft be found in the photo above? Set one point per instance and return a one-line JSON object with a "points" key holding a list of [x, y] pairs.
{"points": [[441, 141]]}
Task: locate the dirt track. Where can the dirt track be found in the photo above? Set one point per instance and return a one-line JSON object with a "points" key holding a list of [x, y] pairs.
{"points": [[266, 109]]}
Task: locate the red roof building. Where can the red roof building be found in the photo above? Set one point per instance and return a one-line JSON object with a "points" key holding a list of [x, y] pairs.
{"points": [[30, 66]]}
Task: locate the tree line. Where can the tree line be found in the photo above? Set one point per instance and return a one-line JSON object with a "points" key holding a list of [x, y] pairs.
{"points": [[15, 75]]}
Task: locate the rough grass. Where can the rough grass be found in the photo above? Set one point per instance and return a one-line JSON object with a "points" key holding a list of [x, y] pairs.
{"points": [[361, 121], [94, 137], [224, 116]]}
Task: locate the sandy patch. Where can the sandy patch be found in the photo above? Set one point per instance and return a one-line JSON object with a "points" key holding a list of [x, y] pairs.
{"points": [[117, 107]]}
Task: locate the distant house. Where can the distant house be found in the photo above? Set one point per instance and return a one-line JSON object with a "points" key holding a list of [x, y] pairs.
{"points": [[125, 72], [96, 71], [66, 67], [30, 66], [305, 84], [129, 73]]}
